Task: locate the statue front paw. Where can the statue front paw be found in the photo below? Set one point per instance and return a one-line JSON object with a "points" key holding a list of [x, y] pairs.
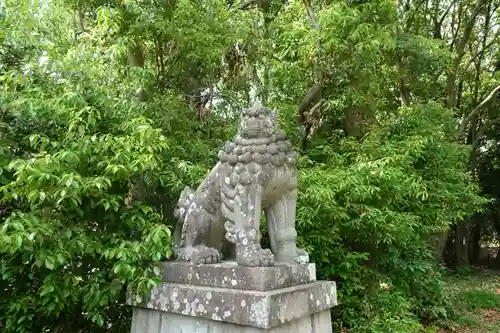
{"points": [[254, 256], [301, 257], [249, 252], [293, 256], [199, 255]]}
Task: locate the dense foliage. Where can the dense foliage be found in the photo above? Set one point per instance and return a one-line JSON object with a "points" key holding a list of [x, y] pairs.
{"points": [[108, 108]]}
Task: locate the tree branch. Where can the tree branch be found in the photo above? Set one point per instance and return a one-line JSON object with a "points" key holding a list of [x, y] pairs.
{"points": [[316, 88], [477, 109], [454, 33], [451, 99], [483, 50], [310, 96], [488, 123], [469, 26], [411, 16], [310, 14], [441, 20]]}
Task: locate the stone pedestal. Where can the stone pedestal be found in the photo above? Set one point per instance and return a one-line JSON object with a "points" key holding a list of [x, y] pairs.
{"points": [[226, 298]]}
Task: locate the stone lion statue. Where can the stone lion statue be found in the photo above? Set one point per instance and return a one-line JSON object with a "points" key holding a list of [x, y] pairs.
{"points": [[256, 173]]}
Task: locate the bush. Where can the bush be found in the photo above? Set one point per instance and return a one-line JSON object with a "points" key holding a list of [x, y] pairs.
{"points": [[368, 209], [78, 154], [89, 173]]}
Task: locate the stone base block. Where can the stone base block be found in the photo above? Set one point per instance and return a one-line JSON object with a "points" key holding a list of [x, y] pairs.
{"points": [[258, 309], [153, 321], [229, 275], [227, 298]]}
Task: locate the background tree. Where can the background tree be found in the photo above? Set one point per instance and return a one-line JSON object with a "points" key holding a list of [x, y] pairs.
{"points": [[109, 108]]}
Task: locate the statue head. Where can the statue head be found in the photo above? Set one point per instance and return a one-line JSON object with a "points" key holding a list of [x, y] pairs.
{"points": [[257, 121]]}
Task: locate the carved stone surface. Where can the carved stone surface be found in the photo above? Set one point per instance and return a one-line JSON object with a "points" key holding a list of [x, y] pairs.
{"points": [[256, 173], [230, 275], [263, 310]]}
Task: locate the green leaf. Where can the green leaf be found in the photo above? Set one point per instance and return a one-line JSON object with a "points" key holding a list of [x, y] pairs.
{"points": [[49, 262], [60, 259]]}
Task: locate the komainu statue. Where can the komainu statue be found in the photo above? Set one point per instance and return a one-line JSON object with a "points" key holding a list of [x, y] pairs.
{"points": [[256, 173]]}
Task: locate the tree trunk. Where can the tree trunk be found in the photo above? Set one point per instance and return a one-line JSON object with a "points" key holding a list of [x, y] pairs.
{"points": [[452, 96], [451, 100], [496, 262], [474, 244], [312, 100], [438, 242], [404, 90], [137, 186], [136, 59], [461, 248], [448, 254], [460, 44], [462, 234]]}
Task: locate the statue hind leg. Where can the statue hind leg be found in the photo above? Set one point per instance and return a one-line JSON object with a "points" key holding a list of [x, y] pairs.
{"points": [[195, 251], [192, 230]]}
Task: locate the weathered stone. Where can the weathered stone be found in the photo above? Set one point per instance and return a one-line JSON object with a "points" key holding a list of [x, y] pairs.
{"points": [[248, 308], [238, 150], [229, 275], [262, 149], [254, 167], [255, 146], [248, 149], [152, 321], [245, 178], [223, 156], [234, 179], [255, 290], [245, 158], [233, 159], [229, 146], [272, 149]]}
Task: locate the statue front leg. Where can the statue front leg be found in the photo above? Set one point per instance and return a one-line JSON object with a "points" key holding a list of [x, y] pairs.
{"points": [[281, 225], [248, 248]]}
